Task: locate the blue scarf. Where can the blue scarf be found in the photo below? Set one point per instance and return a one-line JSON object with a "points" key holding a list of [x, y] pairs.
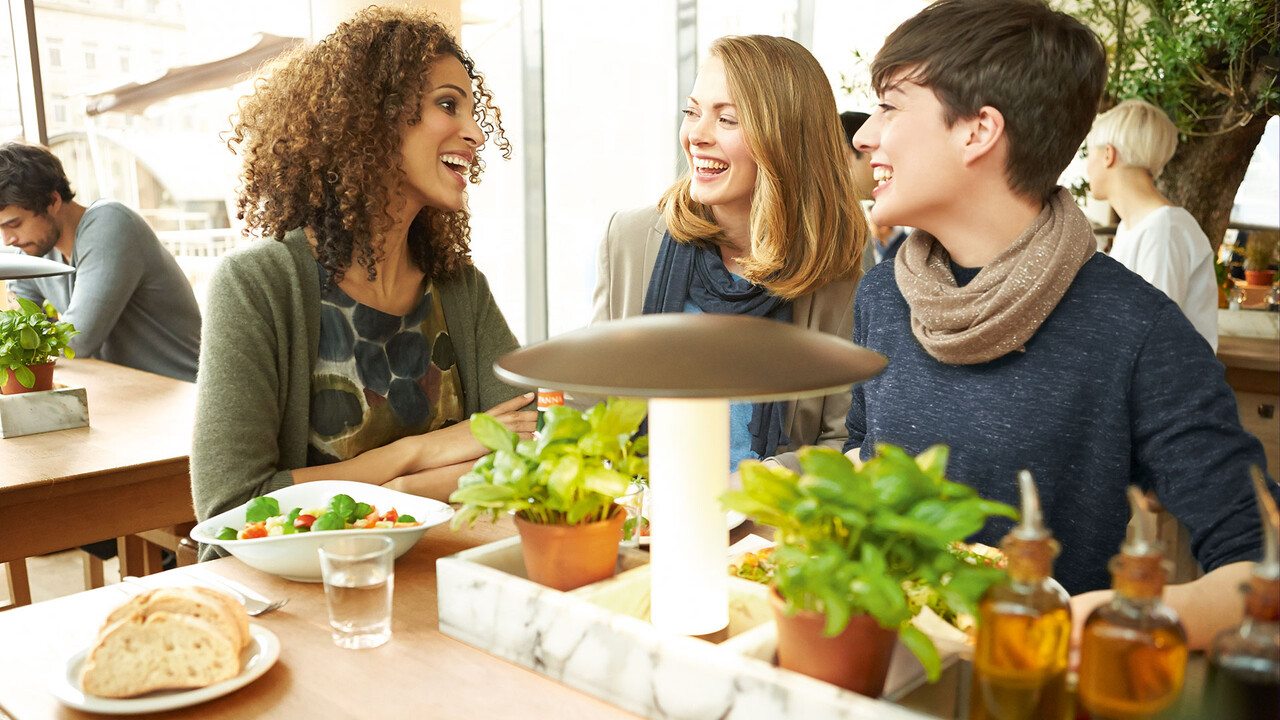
{"points": [[691, 271]]}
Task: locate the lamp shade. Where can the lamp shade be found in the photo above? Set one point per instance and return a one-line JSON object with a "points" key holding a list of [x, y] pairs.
{"points": [[688, 355], [14, 266]]}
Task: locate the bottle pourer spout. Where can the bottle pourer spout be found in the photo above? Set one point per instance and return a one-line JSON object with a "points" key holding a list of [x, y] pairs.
{"points": [[1141, 539], [1032, 525], [1269, 568]]}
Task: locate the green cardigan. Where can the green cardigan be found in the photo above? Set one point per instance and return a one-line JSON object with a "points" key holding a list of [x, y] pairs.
{"points": [[259, 345]]}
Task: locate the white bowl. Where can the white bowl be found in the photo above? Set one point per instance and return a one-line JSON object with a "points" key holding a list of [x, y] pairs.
{"points": [[294, 557]]}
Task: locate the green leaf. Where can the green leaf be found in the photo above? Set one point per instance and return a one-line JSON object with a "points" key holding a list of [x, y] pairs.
{"points": [[933, 461], [228, 533], [362, 510], [492, 434], [328, 521], [28, 308], [342, 506], [564, 429], [606, 482], [26, 378], [622, 416], [922, 647], [483, 495], [261, 508]]}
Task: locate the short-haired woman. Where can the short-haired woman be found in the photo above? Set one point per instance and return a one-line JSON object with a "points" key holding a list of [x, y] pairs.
{"points": [[1129, 146], [765, 222], [352, 341]]}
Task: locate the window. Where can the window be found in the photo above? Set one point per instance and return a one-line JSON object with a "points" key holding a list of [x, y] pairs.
{"points": [[164, 158], [10, 112]]}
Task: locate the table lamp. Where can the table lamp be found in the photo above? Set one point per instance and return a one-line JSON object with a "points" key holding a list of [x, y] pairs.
{"points": [[690, 366], [19, 265]]}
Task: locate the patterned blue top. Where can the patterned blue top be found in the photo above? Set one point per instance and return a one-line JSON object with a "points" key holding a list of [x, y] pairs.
{"points": [[379, 377]]}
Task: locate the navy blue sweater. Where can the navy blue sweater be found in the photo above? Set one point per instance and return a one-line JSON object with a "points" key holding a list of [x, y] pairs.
{"points": [[1115, 388]]}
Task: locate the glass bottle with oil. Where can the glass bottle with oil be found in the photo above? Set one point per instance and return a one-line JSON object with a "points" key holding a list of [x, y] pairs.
{"points": [[1244, 662], [1133, 653], [1024, 628]]}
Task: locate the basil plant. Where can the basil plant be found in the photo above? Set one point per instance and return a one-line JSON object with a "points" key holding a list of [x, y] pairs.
{"points": [[571, 474], [32, 335], [855, 539]]}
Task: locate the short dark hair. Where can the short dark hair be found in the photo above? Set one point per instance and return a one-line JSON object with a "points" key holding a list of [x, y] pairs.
{"points": [[1042, 69], [28, 175], [851, 121]]}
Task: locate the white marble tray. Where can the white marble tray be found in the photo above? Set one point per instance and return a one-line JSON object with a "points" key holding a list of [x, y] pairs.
{"points": [[596, 639], [35, 412]]}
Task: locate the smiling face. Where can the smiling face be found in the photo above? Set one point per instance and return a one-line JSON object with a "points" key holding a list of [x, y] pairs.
{"points": [[438, 151], [916, 160], [715, 145], [33, 233]]}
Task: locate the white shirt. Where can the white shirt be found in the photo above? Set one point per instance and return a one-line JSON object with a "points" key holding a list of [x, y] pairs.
{"points": [[1170, 251]]}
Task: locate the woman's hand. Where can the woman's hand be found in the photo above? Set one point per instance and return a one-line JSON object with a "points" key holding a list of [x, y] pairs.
{"points": [[455, 444]]}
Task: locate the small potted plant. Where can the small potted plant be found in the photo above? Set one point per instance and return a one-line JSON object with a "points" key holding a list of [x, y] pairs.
{"points": [[852, 542], [31, 338], [1259, 254], [561, 487]]}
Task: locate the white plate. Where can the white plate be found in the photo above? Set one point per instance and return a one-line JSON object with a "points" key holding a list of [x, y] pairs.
{"points": [[256, 659], [732, 519]]}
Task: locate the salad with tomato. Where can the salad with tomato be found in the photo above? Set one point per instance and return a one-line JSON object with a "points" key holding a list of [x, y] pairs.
{"points": [[263, 518]]}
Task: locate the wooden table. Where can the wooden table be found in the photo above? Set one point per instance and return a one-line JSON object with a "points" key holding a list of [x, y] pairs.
{"points": [[418, 673], [125, 473]]}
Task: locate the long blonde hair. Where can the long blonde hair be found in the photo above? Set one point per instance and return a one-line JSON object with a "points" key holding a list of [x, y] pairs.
{"points": [[807, 228]]}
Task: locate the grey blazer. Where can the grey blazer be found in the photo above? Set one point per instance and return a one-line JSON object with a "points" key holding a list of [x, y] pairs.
{"points": [[623, 266]]}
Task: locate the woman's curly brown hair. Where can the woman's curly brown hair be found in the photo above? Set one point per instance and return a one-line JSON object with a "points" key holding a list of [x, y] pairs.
{"points": [[322, 130]]}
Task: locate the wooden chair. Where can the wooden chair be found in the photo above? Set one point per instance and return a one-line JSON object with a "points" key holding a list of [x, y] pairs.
{"points": [[19, 586], [140, 554]]}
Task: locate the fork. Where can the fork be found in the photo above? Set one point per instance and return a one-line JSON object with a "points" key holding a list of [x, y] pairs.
{"points": [[252, 605]]}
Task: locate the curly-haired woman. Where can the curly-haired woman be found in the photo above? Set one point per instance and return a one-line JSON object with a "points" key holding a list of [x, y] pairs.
{"points": [[351, 342], [764, 223]]}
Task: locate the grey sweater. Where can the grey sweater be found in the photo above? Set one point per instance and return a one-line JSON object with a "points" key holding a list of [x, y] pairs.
{"points": [[260, 343], [128, 298]]}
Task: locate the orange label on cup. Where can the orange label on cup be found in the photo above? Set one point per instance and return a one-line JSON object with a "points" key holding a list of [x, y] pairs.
{"points": [[550, 398]]}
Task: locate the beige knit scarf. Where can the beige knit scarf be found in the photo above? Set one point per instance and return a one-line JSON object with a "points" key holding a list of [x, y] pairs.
{"points": [[1001, 308]]}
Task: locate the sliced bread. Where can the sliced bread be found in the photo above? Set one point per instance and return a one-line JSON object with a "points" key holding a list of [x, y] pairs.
{"points": [[140, 654], [226, 615]]}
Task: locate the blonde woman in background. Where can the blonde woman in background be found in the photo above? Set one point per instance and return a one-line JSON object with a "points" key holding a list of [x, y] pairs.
{"points": [[1129, 146], [765, 222]]}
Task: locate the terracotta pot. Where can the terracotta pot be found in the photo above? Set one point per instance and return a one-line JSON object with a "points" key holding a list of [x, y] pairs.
{"points": [[44, 379], [856, 659], [565, 557], [1259, 277]]}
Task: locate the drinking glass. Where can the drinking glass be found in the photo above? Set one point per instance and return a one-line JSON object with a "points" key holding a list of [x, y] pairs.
{"points": [[358, 579], [633, 502]]}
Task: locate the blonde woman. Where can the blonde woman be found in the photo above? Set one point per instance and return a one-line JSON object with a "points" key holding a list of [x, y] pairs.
{"points": [[1129, 146], [765, 222]]}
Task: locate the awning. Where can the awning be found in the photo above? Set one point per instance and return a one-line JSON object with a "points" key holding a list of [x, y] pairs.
{"points": [[135, 97]]}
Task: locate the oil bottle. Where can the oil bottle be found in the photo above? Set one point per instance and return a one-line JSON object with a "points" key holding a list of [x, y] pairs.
{"points": [[1244, 662], [1024, 628], [1133, 654]]}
